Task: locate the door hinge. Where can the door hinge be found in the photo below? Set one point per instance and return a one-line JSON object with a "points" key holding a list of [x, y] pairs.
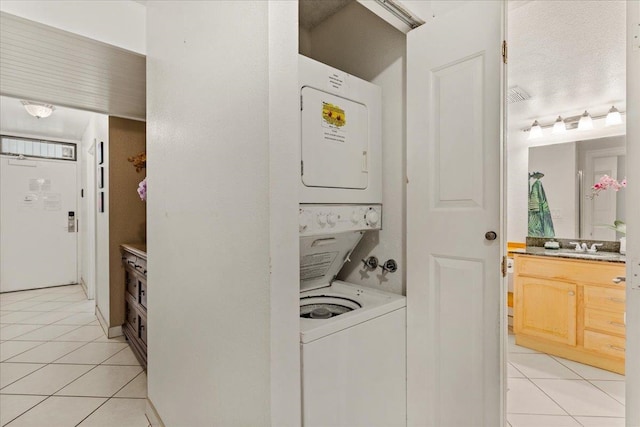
{"points": [[301, 167], [503, 266], [505, 51], [301, 103]]}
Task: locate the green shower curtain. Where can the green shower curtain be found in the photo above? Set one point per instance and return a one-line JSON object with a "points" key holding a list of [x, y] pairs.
{"points": [[540, 222]]}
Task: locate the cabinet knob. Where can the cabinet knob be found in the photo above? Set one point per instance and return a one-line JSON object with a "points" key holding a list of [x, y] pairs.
{"points": [[571, 293], [620, 279]]}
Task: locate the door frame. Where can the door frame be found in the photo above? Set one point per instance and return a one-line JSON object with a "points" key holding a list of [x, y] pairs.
{"points": [[585, 206]]}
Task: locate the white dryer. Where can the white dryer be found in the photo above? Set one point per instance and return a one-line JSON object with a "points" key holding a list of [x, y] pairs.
{"points": [[341, 130], [352, 338]]}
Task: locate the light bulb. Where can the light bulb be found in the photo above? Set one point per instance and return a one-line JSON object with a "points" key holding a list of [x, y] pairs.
{"points": [[613, 117], [585, 122], [535, 131], [559, 126]]}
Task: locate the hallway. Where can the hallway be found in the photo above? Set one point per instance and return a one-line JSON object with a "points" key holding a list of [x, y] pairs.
{"points": [[58, 369]]}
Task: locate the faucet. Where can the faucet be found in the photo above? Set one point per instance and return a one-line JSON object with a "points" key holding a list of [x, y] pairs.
{"points": [[580, 247], [594, 248]]}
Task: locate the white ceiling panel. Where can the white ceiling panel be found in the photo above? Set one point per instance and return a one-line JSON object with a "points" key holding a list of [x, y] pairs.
{"points": [[42, 63]]}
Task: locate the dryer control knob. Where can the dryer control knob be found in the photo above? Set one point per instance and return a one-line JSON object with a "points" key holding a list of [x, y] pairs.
{"points": [[322, 219], [332, 219], [372, 217]]}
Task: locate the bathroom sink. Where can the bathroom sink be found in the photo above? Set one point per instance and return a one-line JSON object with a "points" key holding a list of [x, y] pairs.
{"points": [[583, 255]]}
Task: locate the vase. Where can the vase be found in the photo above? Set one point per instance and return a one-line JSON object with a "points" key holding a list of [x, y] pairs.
{"points": [[623, 245]]}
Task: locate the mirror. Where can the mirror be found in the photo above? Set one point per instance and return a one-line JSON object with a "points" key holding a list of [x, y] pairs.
{"points": [[561, 199]]}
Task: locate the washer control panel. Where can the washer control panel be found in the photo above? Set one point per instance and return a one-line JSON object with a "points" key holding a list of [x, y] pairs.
{"points": [[330, 219]]}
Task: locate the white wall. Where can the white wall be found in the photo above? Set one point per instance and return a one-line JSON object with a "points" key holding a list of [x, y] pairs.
{"points": [[87, 209], [100, 129], [558, 163], [373, 50], [216, 267], [119, 23]]}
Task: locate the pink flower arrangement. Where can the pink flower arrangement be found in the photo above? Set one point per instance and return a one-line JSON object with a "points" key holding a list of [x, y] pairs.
{"points": [[606, 183], [142, 190]]}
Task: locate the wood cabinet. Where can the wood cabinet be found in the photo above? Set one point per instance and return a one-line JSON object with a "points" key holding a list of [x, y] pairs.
{"points": [[571, 308], [134, 261]]}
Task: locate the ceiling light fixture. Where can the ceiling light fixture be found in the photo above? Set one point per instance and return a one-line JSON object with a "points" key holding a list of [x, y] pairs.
{"points": [[559, 126], [535, 131], [38, 109], [613, 117], [585, 122]]}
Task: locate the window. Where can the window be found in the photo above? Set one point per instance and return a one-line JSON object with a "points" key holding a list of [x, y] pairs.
{"points": [[38, 148]]}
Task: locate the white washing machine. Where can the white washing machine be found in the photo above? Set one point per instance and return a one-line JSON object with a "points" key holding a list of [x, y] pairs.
{"points": [[352, 338], [341, 128]]}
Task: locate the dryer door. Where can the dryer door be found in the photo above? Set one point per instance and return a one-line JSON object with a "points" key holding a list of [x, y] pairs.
{"points": [[335, 141]]}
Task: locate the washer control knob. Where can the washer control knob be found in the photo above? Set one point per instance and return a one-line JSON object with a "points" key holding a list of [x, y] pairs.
{"points": [[303, 223], [372, 217], [356, 217], [332, 219], [322, 219]]}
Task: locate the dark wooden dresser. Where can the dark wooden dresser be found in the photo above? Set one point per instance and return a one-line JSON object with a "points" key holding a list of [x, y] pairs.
{"points": [[134, 259]]}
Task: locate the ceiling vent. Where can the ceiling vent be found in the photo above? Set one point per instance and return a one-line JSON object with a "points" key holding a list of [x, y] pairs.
{"points": [[517, 94]]}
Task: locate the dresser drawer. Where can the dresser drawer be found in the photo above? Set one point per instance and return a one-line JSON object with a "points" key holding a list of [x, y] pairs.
{"points": [[605, 344], [569, 270], [606, 298], [606, 321], [143, 329], [131, 279], [131, 314], [141, 266], [143, 292]]}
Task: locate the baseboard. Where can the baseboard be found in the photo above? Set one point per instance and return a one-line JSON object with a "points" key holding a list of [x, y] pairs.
{"points": [[84, 287], [113, 332], [152, 415]]}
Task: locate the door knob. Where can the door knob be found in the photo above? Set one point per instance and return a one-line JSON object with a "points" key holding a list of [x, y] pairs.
{"points": [[490, 235]]}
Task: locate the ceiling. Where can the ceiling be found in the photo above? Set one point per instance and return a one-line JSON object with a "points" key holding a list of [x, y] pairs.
{"points": [[313, 12], [64, 123], [569, 56]]}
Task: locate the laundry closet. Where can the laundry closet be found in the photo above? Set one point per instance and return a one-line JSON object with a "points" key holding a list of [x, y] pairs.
{"points": [[356, 41], [246, 313]]}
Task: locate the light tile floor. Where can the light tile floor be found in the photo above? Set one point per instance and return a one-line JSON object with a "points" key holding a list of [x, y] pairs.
{"points": [[548, 391], [58, 369]]}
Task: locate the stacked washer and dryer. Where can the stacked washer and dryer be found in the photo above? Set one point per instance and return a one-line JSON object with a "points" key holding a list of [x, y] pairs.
{"points": [[352, 338]]}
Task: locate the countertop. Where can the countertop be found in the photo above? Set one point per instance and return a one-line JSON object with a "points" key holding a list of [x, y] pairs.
{"points": [[604, 256], [139, 249]]}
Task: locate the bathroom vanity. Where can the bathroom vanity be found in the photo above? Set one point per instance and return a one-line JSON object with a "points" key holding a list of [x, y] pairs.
{"points": [[571, 306]]}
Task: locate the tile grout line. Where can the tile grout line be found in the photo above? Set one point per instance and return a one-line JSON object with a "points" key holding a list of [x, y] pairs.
{"points": [[12, 420], [605, 391]]}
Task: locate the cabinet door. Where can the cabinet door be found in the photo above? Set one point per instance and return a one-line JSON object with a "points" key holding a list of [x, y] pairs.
{"points": [[546, 309]]}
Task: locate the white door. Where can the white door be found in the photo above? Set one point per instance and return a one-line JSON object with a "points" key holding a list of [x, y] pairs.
{"points": [[633, 219], [454, 285], [37, 247], [601, 209]]}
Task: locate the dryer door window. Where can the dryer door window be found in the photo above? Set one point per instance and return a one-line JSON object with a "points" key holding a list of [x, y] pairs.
{"points": [[335, 141]]}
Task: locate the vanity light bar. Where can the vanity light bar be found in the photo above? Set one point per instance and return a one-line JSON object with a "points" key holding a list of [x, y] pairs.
{"points": [[571, 122]]}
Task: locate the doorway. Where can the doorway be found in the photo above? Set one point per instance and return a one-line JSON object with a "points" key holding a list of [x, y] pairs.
{"points": [[552, 80], [38, 224]]}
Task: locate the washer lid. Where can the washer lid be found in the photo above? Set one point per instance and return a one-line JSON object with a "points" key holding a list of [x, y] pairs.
{"points": [[322, 257]]}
